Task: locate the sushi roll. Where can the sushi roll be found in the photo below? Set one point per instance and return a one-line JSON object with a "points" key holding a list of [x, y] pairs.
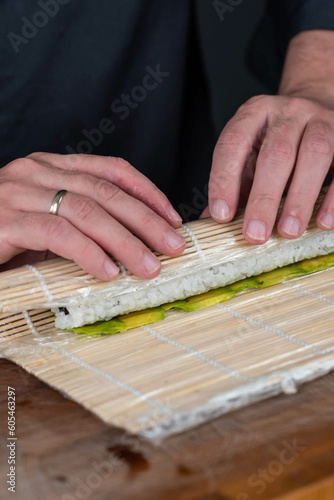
{"points": [[212, 259]]}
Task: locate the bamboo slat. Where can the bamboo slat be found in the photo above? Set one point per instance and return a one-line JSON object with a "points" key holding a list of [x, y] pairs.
{"points": [[190, 367], [59, 282]]}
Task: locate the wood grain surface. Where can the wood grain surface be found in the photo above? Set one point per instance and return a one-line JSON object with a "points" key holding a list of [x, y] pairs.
{"points": [[283, 447]]}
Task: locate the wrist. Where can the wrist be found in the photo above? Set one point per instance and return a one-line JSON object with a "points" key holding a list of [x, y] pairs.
{"points": [[319, 94], [309, 67]]}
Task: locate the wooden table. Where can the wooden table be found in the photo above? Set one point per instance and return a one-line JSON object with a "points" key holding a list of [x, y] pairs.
{"points": [[279, 448]]}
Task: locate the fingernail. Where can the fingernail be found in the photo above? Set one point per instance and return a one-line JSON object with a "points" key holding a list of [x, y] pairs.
{"points": [[111, 269], [174, 215], [256, 230], [327, 220], [151, 263], [290, 226], [220, 210], [174, 240]]}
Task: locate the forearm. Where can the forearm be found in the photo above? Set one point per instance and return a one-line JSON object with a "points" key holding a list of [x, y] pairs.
{"points": [[309, 67]]}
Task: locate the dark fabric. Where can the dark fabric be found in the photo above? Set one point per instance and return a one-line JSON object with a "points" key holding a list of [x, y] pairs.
{"points": [[283, 20], [65, 63], [293, 16]]}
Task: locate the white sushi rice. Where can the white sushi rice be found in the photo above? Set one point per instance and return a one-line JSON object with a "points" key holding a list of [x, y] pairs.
{"points": [[191, 280]]}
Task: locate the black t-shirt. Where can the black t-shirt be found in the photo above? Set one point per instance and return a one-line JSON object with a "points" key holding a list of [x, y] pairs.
{"points": [[282, 20], [121, 78]]}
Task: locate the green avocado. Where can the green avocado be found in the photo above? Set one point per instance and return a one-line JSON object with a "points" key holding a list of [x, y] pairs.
{"points": [[141, 318], [207, 299], [278, 275], [123, 323], [178, 304], [246, 284], [102, 327], [317, 264]]}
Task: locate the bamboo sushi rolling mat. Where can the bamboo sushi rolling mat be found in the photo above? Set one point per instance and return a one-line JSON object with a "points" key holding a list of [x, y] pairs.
{"points": [[187, 369]]}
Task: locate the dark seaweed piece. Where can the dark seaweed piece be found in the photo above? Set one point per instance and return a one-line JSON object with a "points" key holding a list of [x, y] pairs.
{"points": [[64, 310]]}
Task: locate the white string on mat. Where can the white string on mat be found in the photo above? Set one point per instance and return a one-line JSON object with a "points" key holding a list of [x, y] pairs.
{"points": [[310, 294], [41, 279], [198, 354], [195, 241], [272, 329], [30, 323], [141, 396], [124, 273]]}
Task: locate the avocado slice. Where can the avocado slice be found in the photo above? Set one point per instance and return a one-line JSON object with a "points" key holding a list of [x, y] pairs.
{"points": [[207, 299], [178, 304], [202, 300], [102, 327], [246, 284], [123, 323], [316, 264], [278, 275], [141, 318]]}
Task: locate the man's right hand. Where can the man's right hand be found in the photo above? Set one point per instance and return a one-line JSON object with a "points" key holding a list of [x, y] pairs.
{"points": [[109, 207]]}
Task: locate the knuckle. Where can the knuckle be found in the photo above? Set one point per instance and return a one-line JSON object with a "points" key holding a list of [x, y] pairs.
{"points": [[74, 161], [256, 100], [293, 105], [261, 199], [318, 142], [230, 140], [148, 219], [120, 162], [318, 146], [36, 155], [9, 188], [126, 242], [277, 151], [84, 208], [282, 126], [321, 128], [243, 115], [105, 191], [20, 165], [56, 228], [221, 177]]}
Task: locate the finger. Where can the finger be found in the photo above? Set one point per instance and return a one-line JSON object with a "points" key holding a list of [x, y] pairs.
{"points": [[314, 160], [137, 217], [205, 213], [247, 179], [92, 221], [325, 215], [21, 230], [119, 172], [275, 162], [231, 154], [24, 258]]}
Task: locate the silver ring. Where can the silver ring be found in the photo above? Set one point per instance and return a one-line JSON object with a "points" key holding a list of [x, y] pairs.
{"points": [[57, 201]]}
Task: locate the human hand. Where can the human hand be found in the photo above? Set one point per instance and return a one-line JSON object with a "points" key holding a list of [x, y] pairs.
{"points": [[109, 207], [271, 141]]}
